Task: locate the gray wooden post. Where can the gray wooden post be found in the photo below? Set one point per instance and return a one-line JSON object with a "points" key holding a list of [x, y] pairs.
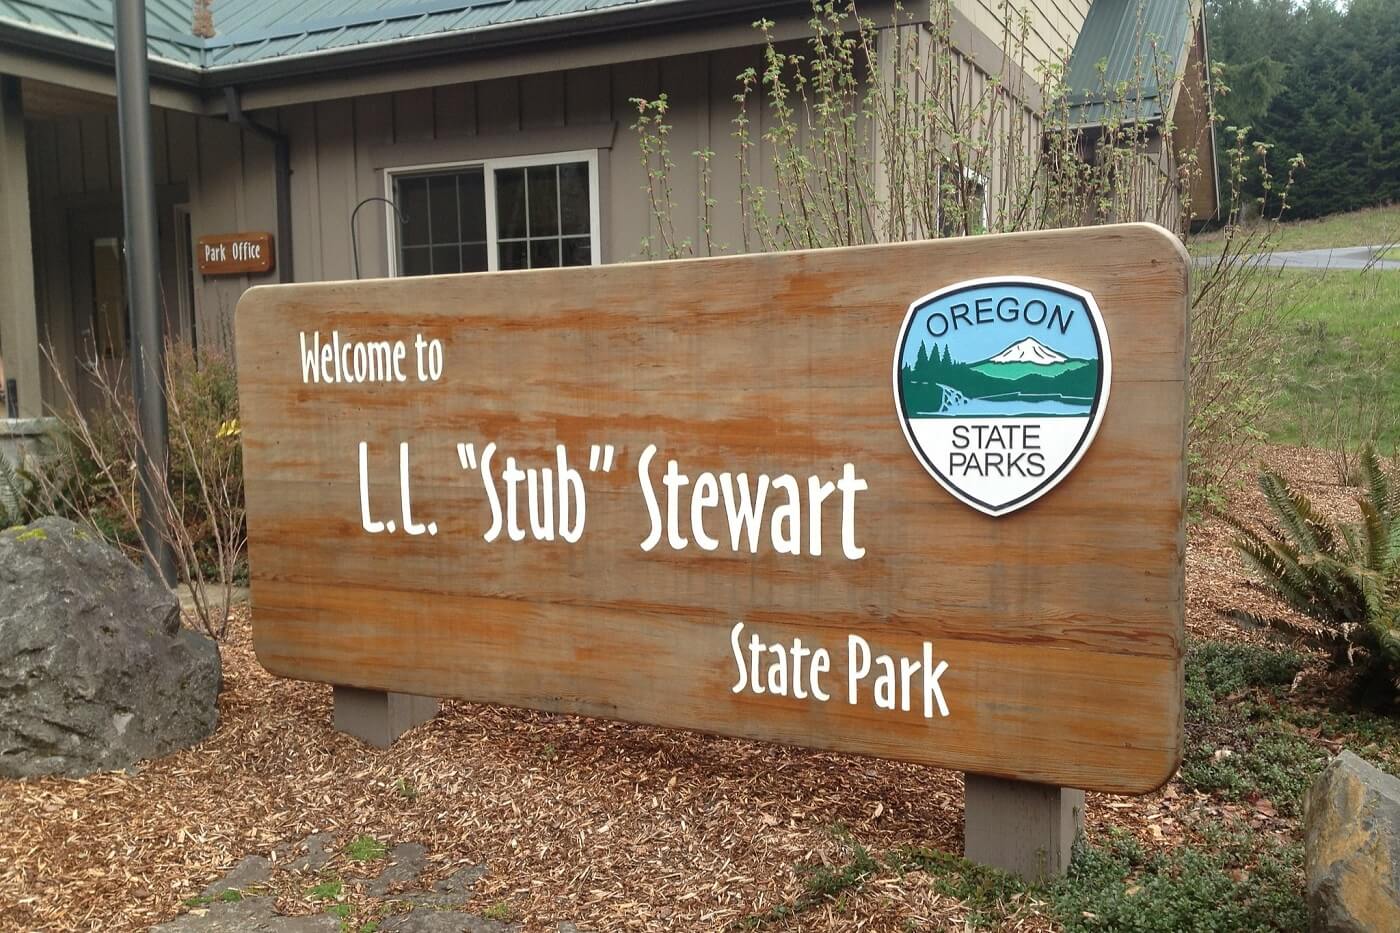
{"points": [[377, 717], [1022, 828]]}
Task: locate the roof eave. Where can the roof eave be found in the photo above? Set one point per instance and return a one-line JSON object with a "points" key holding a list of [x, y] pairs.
{"points": [[37, 39]]}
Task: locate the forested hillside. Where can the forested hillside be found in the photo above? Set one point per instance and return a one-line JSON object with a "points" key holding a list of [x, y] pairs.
{"points": [[1321, 79]]}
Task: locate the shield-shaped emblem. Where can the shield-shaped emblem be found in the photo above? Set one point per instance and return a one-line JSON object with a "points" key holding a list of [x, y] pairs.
{"points": [[1001, 384]]}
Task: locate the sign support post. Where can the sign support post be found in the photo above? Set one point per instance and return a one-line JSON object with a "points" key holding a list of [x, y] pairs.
{"points": [[377, 717], [1021, 827]]}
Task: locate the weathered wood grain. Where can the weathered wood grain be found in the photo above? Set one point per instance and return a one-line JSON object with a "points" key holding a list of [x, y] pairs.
{"points": [[1061, 623]]}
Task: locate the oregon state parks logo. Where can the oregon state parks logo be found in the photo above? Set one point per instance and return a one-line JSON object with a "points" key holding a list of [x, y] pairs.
{"points": [[1001, 384]]}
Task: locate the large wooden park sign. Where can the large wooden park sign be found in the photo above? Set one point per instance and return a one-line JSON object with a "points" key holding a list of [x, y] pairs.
{"points": [[922, 501]]}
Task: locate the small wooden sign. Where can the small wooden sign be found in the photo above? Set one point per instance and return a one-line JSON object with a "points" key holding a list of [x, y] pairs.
{"points": [[688, 494], [234, 253]]}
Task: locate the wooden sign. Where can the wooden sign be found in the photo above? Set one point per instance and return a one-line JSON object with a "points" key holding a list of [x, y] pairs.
{"points": [[234, 253], [687, 493]]}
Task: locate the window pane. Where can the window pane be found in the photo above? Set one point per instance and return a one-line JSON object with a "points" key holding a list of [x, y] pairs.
{"points": [[442, 209], [510, 203], [474, 257], [577, 251], [413, 206], [544, 254], [573, 197], [471, 198], [513, 255], [447, 259], [415, 261], [544, 201]]}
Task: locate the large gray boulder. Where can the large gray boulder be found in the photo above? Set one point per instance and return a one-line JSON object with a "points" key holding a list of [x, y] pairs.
{"points": [[1352, 844], [95, 670]]}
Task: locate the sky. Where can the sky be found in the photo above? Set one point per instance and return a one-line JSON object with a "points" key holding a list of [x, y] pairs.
{"points": [[976, 342]]}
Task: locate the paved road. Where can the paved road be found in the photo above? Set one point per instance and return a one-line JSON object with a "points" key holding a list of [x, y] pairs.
{"points": [[1347, 258]]}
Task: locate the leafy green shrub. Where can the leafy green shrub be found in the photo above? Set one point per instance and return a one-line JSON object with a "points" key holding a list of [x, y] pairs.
{"points": [[1344, 576], [92, 477], [206, 459], [952, 161]]}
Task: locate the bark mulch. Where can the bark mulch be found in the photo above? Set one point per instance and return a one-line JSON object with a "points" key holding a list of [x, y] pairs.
{"points": [[609, 825]]}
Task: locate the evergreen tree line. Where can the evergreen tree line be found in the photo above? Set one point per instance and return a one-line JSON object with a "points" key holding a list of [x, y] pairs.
{"points": [[932, 365], [1319, 79], [935, 367]]}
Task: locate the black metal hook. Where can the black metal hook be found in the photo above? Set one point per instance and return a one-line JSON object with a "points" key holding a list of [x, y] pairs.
{"points": [[354, 235]]}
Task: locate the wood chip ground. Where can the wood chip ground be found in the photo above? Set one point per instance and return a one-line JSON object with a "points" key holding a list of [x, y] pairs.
{"points": [[608, 825]]}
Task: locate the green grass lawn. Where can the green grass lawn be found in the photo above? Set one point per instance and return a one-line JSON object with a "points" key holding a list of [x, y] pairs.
{"points": [[1374, 226], [1341, 360]]}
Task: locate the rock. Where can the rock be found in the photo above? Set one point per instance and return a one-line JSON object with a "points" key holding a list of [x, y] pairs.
{"points": [[316, 855], [428, 920], [252, 871], [95, 671], [405, 865], [452, 891], [249, 915], [1352, 843]]}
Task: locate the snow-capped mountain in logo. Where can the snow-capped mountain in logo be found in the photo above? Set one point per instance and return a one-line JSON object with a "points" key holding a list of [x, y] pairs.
{"points": [[1028, 350]]}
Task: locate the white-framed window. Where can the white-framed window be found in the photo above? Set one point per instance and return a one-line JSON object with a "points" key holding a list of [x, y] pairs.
{"points": [[530, 212]]}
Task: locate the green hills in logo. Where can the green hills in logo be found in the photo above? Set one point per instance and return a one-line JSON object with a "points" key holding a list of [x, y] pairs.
{"points": [[1026, 374]]}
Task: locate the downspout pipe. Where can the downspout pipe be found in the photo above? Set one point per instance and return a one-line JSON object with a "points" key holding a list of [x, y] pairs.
{"points": [[143, 283], [282, 171]]}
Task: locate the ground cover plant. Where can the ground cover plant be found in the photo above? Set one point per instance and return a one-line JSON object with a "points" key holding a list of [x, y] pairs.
{"points": [[616, 826]]}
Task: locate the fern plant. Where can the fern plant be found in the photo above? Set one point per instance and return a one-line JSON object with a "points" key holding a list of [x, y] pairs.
{"points": [[1344, 576], [16, 498]]}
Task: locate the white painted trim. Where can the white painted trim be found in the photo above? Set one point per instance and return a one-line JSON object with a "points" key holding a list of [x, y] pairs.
{"points": [[489, 168], [184, 272]]}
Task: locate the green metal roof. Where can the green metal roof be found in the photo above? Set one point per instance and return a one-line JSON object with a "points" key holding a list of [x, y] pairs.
{"points": [[250, 31], [253, 30], [1126, 45]]}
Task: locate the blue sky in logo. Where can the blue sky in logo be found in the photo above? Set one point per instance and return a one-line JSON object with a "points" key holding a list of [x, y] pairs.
{"points": [[954, 323]]}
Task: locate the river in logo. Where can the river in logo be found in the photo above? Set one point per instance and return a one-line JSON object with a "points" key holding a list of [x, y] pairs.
{"points": [[1001, 384]]}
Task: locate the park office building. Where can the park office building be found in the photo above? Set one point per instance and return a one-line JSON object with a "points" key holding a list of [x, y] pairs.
{"points": [[500, 128]]}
